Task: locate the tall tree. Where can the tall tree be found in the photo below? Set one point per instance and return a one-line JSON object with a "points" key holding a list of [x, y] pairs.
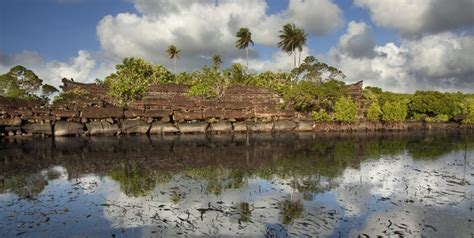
{"points": [[301, 40], [216, 61], [173, 53], [19, 82], [244, 39], [289, 40]]}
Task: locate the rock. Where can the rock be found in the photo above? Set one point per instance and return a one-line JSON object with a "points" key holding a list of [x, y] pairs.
{"points": [[187, 116], [196, 127], [102, 128], [102, 112], [12, 121], [38, 128], [221, 127], [240, 126], [304, 126], [260, 127], [158, 127], [110, 120], [135, 126], [64, 128], [132, 113], [64, 113], [284, 125], [11, 133]]}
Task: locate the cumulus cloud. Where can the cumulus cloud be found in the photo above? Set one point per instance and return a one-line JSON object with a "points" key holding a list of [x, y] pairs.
{"points": [[422, 16], [205, 28], [279, 61], [358, 42], [435, 62], [83, 67]]}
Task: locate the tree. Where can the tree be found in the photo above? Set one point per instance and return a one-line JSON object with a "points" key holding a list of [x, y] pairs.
{"points": [[301, 39], [345, 110], [132, 78], [313, 70], [20, 82], [173, 53], [244, 39], [374, 112], [48, 90], [216, 61], [394, 112], [289, 40], [434, 103]]}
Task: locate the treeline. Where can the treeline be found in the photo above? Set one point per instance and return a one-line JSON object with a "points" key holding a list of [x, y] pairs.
{"points": [[312, 87]]}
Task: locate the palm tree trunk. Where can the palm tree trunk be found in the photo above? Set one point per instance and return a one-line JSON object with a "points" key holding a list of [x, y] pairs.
{"points": [[294, 59], [175, 65], [247, 57]]}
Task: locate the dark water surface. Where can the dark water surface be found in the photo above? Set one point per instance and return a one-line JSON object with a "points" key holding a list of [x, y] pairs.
{"points": [[394, 184]]}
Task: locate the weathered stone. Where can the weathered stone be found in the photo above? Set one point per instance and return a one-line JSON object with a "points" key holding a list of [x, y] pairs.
{"points": [[38, 128], [236, 114], [260, 126], [102, 112], [284, 125], [187, 116], [213, 113], [12, 121], [132, 113], [240, 126], [102, 128], [64, 128], [64, 113], [265, 113], [12, 128], [221, 127], [158, 127], [304, 126], [196, 127], [41, 111], [135, 126], [157, 113]]}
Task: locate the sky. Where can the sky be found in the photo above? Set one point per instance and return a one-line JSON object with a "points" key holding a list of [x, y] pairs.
{"points": [[398, 45]]}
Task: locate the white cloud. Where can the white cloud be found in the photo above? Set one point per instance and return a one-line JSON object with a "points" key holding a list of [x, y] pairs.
{"points": [[442, 61], [203, 28], [279, 61], [358, 42], [421, 16]]}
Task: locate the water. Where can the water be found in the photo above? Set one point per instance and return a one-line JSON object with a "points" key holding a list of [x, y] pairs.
{"points": [[410, 184]]}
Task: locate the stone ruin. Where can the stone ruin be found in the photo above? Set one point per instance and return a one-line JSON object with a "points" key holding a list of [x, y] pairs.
{"points": [[166, 108]]}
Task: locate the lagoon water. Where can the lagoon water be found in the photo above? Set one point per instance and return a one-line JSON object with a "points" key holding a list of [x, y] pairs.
{"points": [[266, 185]]}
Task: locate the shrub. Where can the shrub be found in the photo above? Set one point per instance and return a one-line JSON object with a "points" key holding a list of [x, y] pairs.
{"points": [[438, 118], [321, 116], [132, 79], [207, 83], [434, 103], [469, 119], [345, 110], [394, 112], [374, 112]]}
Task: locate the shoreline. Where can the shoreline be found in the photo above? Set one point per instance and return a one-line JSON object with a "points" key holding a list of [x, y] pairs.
{"points": [[141, 127]]}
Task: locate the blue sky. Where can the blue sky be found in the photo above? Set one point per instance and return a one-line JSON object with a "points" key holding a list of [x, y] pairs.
{"points": [[368, 40]]}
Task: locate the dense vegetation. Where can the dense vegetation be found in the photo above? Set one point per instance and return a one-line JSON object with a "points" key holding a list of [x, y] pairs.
{"points": [[23, 83]]}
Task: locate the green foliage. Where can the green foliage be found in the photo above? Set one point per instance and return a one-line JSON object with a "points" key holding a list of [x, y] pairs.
{"points": [[311, 96], [132, 79], [216, 61], [70, 97], [434, 103], [345, 110], [469, 119], [236, 74], [321, 116], [20, 82], [47, 90], [394, 112], [374, 112], [313, 70], [438, 118], [207, 83], [280, 82]]}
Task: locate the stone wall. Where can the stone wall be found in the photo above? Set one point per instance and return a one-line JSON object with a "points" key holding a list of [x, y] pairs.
{"points": [[167, 109]]}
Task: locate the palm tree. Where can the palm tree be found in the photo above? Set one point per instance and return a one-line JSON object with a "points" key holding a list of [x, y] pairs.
{"points": [[289, 40], [301, 39], [173, 53], [244, 39], [216, 61]]}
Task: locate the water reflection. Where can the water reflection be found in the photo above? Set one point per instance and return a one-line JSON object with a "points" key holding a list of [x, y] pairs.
{"points": [[263, 185]]}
